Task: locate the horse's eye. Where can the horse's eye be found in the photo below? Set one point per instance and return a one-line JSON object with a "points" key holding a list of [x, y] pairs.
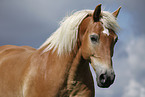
{"points": [[94, 38]]}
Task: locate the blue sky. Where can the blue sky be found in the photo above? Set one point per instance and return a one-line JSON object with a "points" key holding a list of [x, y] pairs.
{"points": [[31, 22]]}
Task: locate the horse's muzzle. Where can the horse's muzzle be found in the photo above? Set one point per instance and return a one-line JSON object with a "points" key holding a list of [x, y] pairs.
{"points": [[105, 78]]}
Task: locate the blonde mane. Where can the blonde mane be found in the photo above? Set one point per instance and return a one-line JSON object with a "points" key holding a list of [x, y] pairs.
{"points": [[65, 37]]}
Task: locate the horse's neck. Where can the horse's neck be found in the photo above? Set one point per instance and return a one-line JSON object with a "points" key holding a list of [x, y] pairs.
{"points": [[74, 69], [80, 78]]}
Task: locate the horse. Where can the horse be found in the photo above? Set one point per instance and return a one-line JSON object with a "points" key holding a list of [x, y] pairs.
{"points": [[60, 66]]}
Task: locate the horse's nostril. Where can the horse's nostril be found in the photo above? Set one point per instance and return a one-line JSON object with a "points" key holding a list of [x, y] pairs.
{"points": [[103, 78]]}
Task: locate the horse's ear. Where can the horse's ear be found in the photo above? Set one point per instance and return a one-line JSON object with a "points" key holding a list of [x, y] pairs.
{"points": [[115, 13], [97, 12]]}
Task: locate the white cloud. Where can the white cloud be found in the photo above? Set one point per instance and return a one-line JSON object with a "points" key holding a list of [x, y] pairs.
{"points": [[136, 52], [134, 69], [136, 57], [134, 89]]}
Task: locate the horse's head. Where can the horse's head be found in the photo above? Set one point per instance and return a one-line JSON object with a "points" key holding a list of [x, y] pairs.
{"points": [[98, 37]]}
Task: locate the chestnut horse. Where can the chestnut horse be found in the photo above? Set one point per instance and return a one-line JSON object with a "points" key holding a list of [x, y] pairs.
{"points": [[60, 67]]}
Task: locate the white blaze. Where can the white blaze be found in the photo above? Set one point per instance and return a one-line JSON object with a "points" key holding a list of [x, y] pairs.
{"points": [[106, 31]]}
